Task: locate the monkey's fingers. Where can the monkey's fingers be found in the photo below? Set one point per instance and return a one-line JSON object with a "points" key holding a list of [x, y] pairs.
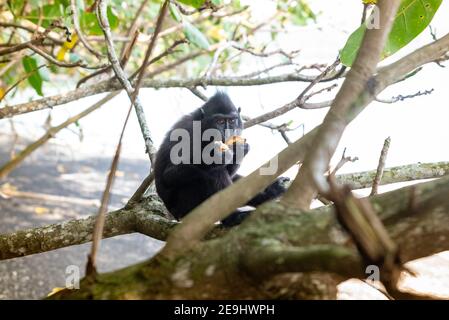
{"points": [[222, 146]]}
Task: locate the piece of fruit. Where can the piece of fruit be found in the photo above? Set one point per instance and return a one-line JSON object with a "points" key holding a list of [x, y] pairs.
{"points": [[235, 139]]}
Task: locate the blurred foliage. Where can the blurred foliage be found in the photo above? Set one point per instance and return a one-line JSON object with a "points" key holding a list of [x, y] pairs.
{"points": [[204, 23], [207, 25]]}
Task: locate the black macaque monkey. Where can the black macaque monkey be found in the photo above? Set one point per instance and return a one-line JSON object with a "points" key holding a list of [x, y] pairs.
{"points": [[183, 185]]}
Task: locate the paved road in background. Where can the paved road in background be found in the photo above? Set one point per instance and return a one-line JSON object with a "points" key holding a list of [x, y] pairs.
{"points": [[50, 172]]}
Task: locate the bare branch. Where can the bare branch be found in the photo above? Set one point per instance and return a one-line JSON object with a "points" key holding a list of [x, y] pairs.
{"points": [[18, 47], [157, 30], [91, 266], [408, 96], [299, 102], [284, 109], [76, 26], [381, 166], [31, 27], [53, 60], [344, 159], [91, 269], [113, 85], [104, 24]]}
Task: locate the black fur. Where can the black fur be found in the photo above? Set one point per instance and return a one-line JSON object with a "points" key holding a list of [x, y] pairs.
{"points": [[182, 187]]}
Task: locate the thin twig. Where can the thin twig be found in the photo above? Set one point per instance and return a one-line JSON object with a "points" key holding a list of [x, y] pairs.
{"points": [[133, 34], [124, 59], [344, 159], [28, 74], [198, 93], [263, 54], [381, 166], [160, 20], [133, 96], [19, 47], [76, 26], [91, 268], [169, 66], [51, 35], [433, 33], [408, 96], [326, 89], [53, 60], [259, 72], [137, 196], [121, 76]]}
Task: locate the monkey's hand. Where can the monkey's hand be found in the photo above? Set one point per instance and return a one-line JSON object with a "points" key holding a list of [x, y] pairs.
{"points": [[239, 149], [222, 153]]}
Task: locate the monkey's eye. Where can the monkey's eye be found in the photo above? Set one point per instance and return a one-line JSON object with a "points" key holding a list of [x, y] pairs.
{"points": [[232, 121], [220, 121]]}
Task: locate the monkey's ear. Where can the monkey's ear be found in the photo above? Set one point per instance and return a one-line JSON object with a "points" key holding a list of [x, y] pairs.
{"points": [[239, 109], [202, 113]]}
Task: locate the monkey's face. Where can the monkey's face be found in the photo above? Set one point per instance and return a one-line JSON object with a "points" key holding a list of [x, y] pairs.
{"points": [[226, 125]]}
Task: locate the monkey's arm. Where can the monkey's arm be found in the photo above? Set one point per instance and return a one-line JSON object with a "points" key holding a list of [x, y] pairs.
{"points": [[274, 190]]}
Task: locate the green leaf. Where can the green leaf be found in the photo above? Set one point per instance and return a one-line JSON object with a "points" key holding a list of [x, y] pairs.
{"points": [[193, 3], [174, 12], [412, 18], [50, 12], [195, 36], [34, 79], [89, 22], [15, 6]]}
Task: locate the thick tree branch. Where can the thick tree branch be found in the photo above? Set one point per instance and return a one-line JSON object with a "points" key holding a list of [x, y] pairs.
{"points": [[278, 240], [148, 216], [332, 251], [404, 173]]}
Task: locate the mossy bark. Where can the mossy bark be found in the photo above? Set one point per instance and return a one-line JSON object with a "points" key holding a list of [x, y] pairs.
{"points": [[281, 252]]}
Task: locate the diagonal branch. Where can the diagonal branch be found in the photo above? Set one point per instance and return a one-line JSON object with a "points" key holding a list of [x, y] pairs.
{"points": [[91, 269], [76, 26], [346, 105], [122, 78]]}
